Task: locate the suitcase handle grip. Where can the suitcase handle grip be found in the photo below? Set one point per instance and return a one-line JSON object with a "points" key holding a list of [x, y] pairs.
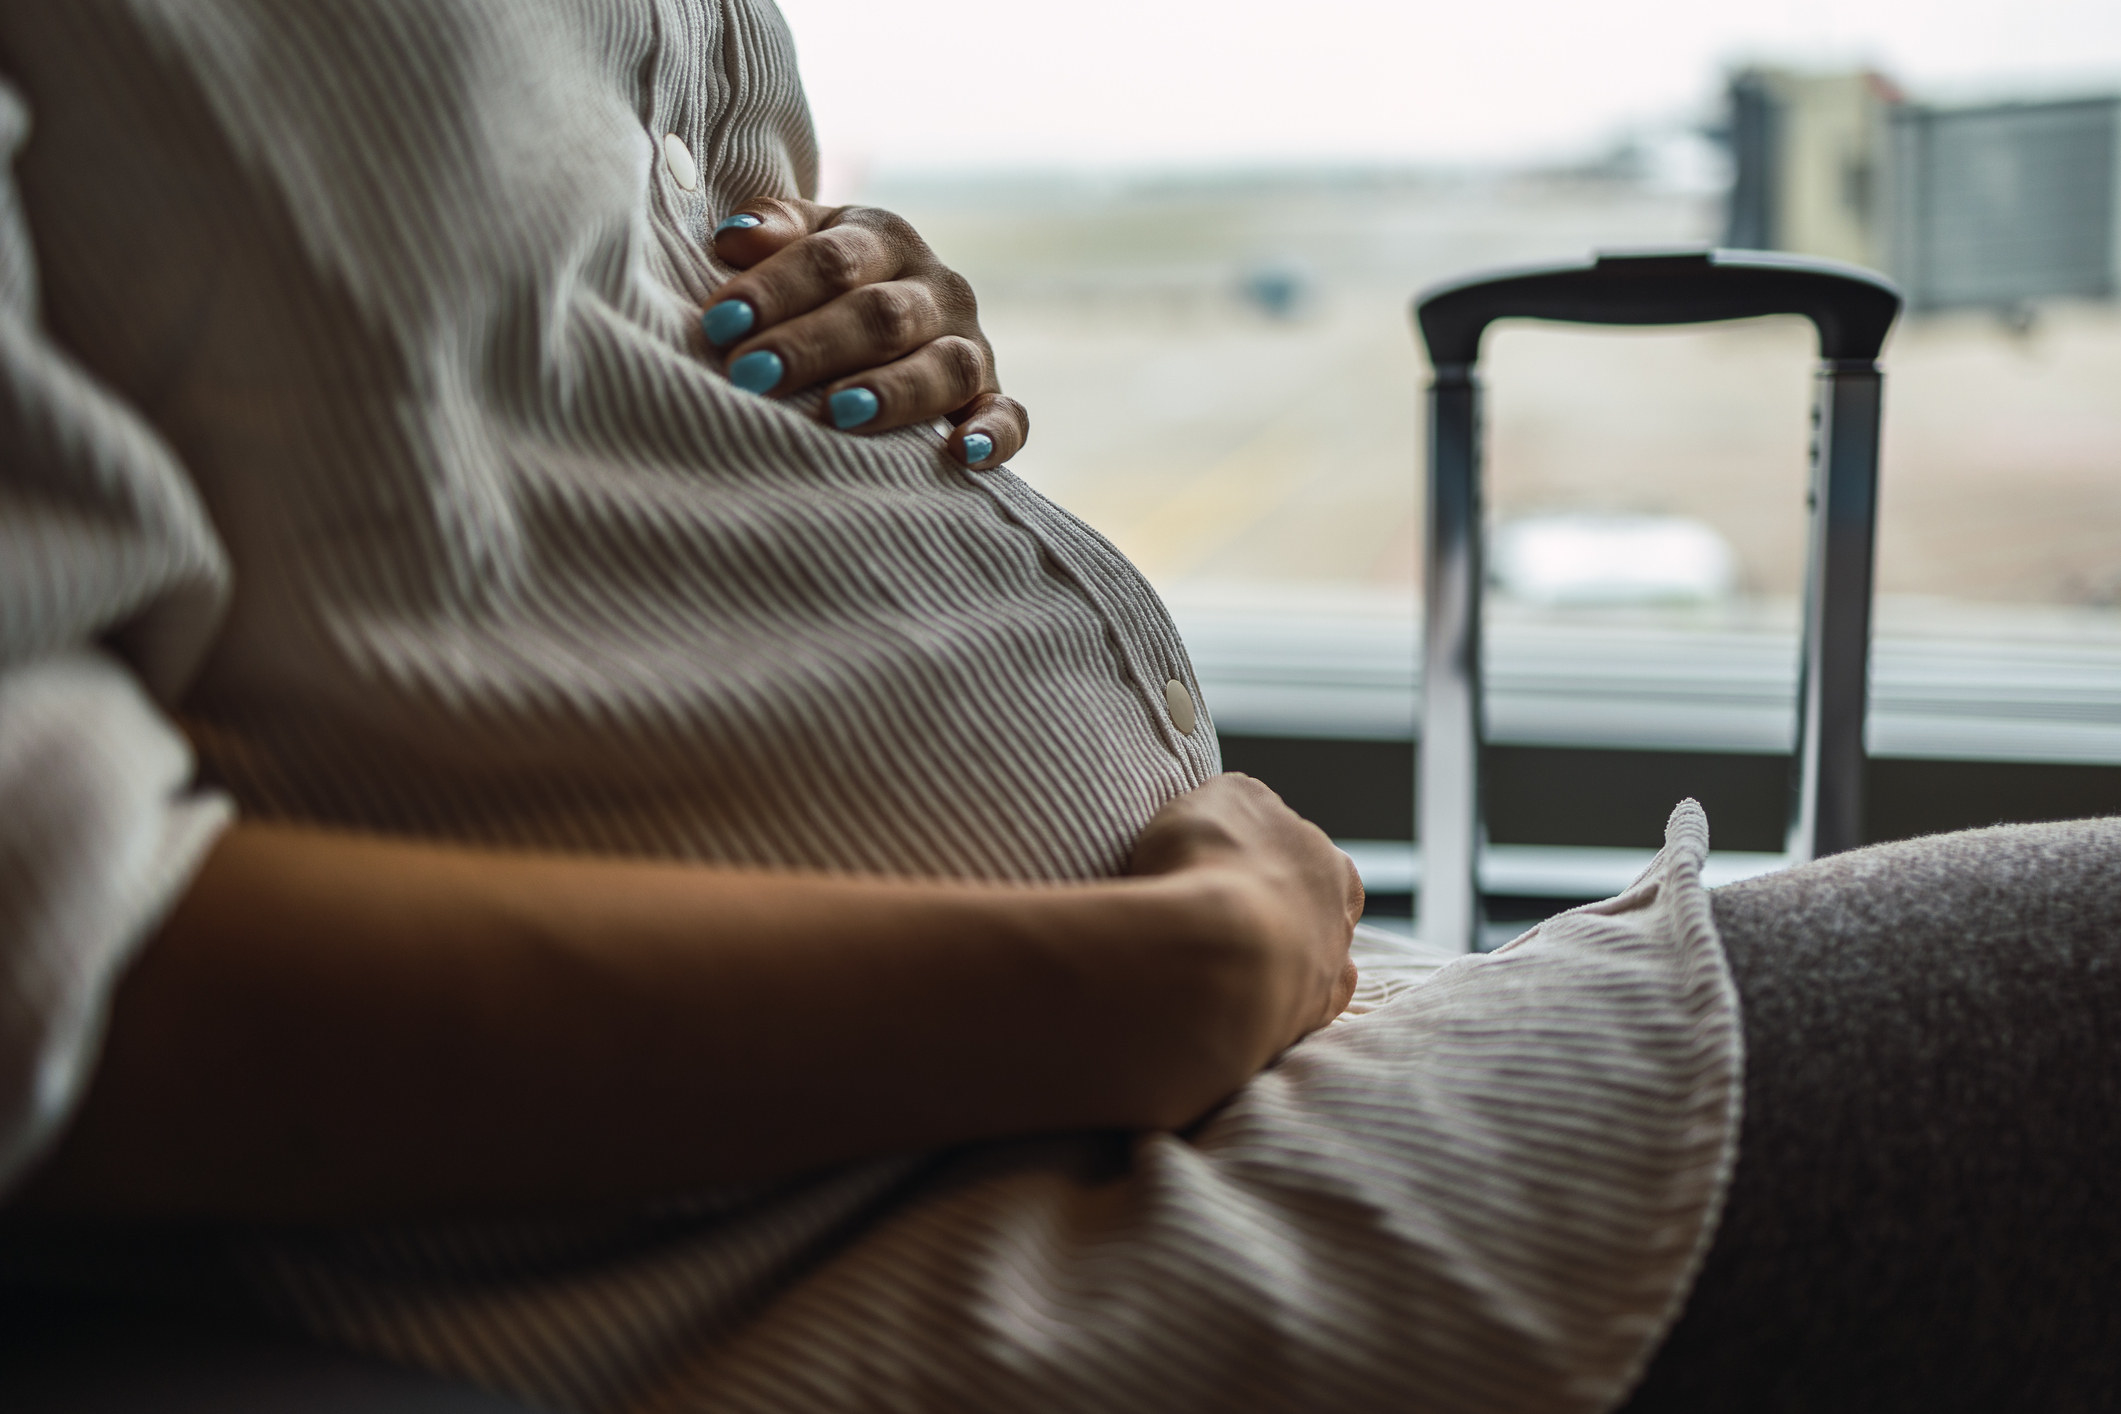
{"points": [[1851, 307]]}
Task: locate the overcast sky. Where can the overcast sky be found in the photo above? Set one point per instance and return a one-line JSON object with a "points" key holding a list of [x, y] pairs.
{"points": [[978, 83]]}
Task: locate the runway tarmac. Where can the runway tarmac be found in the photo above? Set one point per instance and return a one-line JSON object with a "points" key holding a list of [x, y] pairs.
{"points": [[1221, 444]]}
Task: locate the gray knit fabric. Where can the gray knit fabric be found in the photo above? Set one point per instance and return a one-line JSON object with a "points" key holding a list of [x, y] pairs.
{"points": [[354, 418], [1927, 1211]]}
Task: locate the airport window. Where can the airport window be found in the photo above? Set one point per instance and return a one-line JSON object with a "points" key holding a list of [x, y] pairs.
{"points": [[1205, 305]]}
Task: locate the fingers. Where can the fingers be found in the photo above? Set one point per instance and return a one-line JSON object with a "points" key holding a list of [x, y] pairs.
{"points": [[1343, 991], [927, 383], [947, 377], [990, 429], [797, 270], [911, 371], [766, 227], [860, 330], [1353, 900], [853, 294]]}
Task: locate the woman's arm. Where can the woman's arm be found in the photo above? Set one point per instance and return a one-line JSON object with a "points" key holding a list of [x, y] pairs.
{"points": [[332, 1025]]}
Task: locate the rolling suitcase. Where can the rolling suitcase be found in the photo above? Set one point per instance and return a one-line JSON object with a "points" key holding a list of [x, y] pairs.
{"points": [[1852, 310]]}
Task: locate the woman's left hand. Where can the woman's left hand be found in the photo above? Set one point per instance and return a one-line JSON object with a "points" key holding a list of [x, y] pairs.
{"points": [[852, 297]]}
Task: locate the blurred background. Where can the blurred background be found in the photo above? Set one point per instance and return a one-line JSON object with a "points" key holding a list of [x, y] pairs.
{"points": [[1196, 228]]}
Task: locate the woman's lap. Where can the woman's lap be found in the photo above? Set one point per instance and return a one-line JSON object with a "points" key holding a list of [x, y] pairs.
{"points": [[1922, 1216]]}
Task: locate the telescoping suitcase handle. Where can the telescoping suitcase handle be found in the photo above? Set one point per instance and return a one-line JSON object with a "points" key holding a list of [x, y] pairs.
{"points": [[1852, 310]]}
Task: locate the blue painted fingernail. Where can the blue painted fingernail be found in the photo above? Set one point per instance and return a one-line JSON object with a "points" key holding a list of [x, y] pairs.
{"points": [[851, 407], [978, 447], [742, 221], [757, 371], [728, 321]]}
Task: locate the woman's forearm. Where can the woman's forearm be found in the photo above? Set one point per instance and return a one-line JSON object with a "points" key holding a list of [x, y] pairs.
{"points": [[330, 1025]]}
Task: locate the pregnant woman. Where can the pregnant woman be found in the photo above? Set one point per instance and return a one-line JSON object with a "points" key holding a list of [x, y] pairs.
{"points": [[564, 834]]}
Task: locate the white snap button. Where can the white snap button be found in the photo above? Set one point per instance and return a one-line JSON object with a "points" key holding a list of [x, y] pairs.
{"points": [[1179, 703], [678, 158]]}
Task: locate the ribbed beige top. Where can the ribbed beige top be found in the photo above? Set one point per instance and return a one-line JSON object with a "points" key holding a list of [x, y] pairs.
{"points": [[352, 411]]}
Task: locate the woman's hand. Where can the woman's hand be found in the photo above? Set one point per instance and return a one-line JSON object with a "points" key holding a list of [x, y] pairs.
{"points": [[1294, 894], [852, 297], [330, 1025]]}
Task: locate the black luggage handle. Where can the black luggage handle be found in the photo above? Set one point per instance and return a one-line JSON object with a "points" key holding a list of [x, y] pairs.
{"points": [[1852, 309]]}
